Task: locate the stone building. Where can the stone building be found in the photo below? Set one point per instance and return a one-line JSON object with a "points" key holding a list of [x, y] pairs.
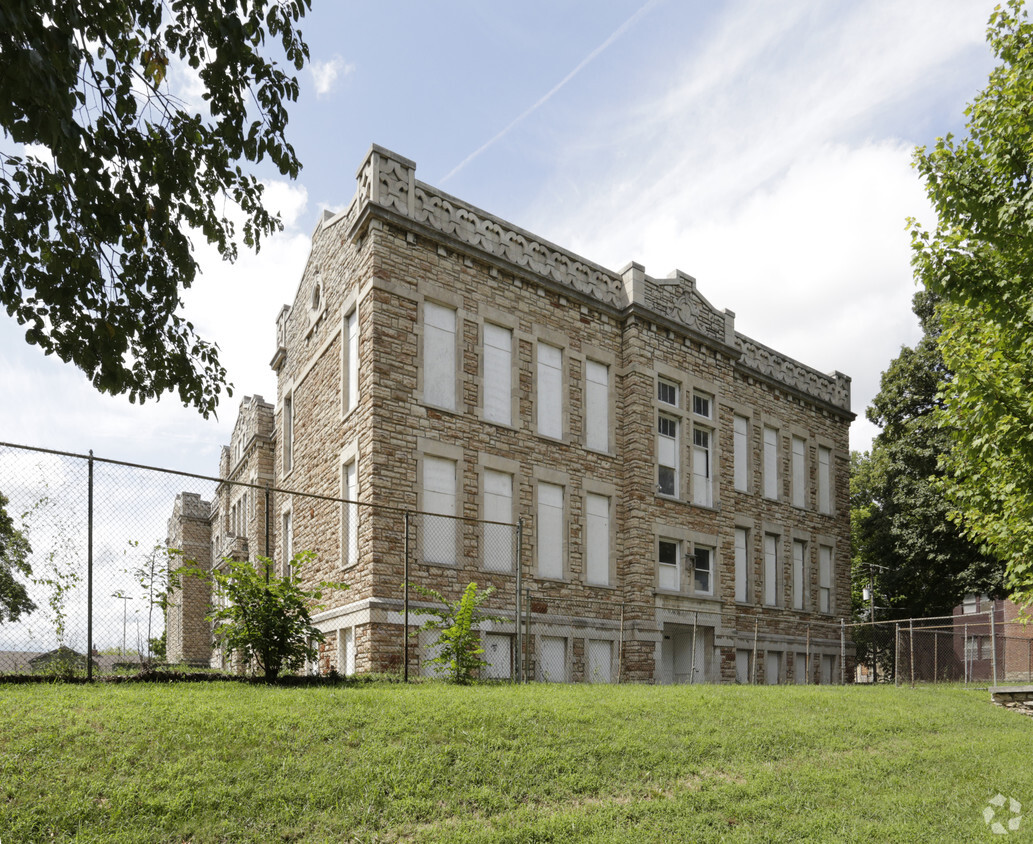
{"points": [[683, 489]]}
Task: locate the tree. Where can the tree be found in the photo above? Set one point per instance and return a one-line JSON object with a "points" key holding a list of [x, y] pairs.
{"points": [[262, 618], [904, 541], [979, 262], [96, 215], [14, 560], [458, 644]]}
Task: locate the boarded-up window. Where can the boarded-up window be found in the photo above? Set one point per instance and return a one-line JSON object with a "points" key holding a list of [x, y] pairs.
{"points": [[350, 512], [597, 406], [550, 530], [824, 480], [741, 454], [498, 507], [742, 568], [498, 374], [439, 496], [799, 475], [799, 558], [600, 661], [552, 660], [824, 579], [597, 545], [771, 579], [550, 391], [439, 355], [351, 361], [770, 463]]}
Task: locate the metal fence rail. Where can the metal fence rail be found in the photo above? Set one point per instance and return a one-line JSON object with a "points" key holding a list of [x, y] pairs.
{"points": [[974, 647]]}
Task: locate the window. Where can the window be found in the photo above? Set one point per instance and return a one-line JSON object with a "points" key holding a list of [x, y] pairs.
{"points": [[351, 361], [498, 374], [703, 571], [771, 578], [439, 355], [829, 670], [770, 463], [597, 542], [350, 514], [667, 392], [970, 605], [597, 406], [288, 432], [701, 405], [824, 480], [550, 530], [498, 507], [824, 579], [439, 496], [741, 453], [550, 391], [799, 475], [799, 558], [667, 455], [702, 488], [346, 651], [773, 668], [668, 553], [288, 545], [742, 569]]}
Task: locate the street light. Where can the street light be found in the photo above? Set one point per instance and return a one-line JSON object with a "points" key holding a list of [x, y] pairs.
{"points": [[123, 598]]}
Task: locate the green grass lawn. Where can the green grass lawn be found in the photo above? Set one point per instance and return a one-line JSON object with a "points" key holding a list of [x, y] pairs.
{"points": [[233, 762]]}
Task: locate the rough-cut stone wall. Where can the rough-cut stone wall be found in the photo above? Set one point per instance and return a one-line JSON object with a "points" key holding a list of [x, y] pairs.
{"points": [[401, 244], [188, 634]]}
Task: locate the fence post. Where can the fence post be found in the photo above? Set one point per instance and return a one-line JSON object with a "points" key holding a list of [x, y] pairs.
{"points": [[620, 647], [911, 647], [842, 652], [753, 679], [896, 654], [405, 602], [993, 643], [267, 547], [89, 571], [519, 584], [527, 615], [965, 653]]}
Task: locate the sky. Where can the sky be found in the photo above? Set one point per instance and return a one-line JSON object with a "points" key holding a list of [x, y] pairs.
{"points": [[764, 148]]}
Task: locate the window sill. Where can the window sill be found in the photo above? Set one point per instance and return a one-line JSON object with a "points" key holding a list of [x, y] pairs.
{"points": [[560, 580], [604, 586], [601, 452], [426, 405]]}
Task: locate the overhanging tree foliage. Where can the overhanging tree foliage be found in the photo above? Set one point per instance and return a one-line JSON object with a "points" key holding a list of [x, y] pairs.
{"points": [[95, 247], [903, 538], [14, 560], [979, 262]]}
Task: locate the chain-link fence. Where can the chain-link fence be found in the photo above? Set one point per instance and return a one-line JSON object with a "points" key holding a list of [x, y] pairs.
{"points": [[983, 647]]}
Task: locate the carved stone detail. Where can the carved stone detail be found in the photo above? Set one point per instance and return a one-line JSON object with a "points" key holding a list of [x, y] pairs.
{"points": [[487, 234], [771, 364], [686, 310]]}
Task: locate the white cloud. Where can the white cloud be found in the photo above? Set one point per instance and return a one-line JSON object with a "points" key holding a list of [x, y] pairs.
{"points": [[757, 166], [325, 74]]}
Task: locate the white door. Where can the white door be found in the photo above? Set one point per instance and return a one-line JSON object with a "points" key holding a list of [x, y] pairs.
{"points": [[498, 653], [552, 659], [600, 661]]}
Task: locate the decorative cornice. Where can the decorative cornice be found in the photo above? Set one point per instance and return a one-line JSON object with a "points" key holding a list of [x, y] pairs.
{"points": [[387, 181], [833, 389]]}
